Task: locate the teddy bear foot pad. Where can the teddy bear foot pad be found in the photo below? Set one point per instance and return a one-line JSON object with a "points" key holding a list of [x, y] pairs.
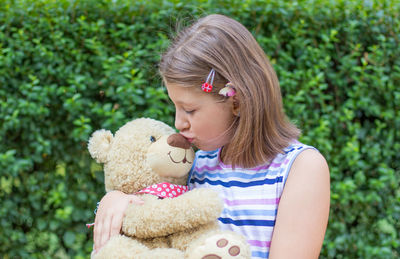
{"points": [[223, 243], [222, 246]]}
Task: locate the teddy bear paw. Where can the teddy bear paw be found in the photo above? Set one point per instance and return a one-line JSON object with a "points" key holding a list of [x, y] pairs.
{"points": [[222, 246], [225, 248]]}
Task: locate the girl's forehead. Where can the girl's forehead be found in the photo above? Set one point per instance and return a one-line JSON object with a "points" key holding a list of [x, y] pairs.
{"points": [[184, 94]]}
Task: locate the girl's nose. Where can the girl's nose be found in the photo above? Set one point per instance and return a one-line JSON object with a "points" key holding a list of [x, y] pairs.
{"points": [[181, 123]]}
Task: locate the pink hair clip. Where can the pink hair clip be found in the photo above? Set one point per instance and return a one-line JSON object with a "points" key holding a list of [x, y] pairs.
{"points": [[208, 85], [228, 90]]}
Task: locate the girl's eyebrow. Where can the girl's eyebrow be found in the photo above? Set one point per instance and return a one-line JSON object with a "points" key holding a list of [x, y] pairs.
{"points": [[183, 102]]}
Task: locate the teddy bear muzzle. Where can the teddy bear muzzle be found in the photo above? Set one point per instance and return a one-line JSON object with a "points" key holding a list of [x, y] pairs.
{"points": [[170, 156]]}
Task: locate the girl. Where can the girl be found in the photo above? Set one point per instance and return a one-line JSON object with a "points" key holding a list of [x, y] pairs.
{"points": [[228, 104]]}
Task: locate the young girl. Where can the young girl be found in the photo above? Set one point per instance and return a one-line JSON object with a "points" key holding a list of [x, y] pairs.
{"points": [[228, 104]]}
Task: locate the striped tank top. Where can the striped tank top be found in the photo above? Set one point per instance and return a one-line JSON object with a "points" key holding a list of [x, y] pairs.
{"points": [[251, 195]]}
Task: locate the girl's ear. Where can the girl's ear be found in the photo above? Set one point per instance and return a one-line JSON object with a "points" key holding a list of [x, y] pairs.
{"points": [[99, 145], [235, 105]]}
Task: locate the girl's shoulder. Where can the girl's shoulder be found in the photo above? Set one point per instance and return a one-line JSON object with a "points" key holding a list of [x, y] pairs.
{"points": [[298, 151], [296, 146], [290, 153], [284, 161], [307, 163]]}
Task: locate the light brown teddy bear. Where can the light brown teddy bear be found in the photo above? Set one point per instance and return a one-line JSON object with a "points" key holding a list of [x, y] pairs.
{"points": [[146, 157]]}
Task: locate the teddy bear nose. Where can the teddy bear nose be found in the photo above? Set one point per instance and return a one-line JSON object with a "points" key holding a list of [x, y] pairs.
{"points": [[177, 140]]}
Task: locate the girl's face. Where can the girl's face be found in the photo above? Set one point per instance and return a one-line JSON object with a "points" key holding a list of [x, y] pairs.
{"points": [[200, 118]]}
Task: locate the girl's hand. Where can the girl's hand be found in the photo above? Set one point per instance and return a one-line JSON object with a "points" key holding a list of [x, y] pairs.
{"points": [[110, 214]]}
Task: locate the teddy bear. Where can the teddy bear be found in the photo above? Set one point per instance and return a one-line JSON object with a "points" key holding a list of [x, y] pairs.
{"points": [[147, 157]]}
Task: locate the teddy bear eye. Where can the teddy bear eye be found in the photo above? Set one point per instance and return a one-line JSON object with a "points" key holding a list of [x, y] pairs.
{"points": [[152, 139]]}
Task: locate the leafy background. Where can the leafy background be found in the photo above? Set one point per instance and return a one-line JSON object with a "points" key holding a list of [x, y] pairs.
{"points": [[69, 67]]}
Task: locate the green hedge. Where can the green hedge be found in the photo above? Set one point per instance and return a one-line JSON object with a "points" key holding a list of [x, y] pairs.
{"points": [[68, 68]]}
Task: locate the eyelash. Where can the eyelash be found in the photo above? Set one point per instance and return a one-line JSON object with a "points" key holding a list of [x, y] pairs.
{"points": [[189, 112]]}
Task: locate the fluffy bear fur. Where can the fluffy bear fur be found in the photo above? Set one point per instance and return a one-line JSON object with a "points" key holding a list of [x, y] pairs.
{"points": [[145, 152]]}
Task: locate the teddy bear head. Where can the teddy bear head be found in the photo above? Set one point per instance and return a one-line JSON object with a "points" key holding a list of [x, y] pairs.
{"points": [[143, 152]]}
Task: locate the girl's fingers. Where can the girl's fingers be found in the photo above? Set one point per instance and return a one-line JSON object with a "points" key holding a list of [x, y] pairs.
{"points": [[97, 232], [109, 217], [97, 229], [105, 231], [136, 200], [116, 224], [100, 227]]}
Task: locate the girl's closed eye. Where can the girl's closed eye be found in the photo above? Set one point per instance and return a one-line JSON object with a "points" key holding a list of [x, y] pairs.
{"points": [[189, 111]]}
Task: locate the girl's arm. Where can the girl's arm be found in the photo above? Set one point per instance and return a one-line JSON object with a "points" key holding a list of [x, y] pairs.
{"points": [[109, 216], [303, 209], [167, 216]]}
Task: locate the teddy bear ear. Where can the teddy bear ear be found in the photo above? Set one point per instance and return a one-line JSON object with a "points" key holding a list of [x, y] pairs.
{"points": [[100, 144]]}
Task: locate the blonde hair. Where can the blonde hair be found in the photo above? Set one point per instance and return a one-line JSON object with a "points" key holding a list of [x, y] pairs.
{"points": [[219, 42]]}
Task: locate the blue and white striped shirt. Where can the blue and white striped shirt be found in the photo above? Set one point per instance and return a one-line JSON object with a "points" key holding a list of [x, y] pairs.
{"points": [[251, 195]]}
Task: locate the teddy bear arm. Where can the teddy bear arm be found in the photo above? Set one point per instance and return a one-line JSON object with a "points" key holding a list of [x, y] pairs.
{"points": [[167, 216]]}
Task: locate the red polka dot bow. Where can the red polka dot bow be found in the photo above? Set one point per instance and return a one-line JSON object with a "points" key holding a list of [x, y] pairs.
{"points": [[165, 190]]}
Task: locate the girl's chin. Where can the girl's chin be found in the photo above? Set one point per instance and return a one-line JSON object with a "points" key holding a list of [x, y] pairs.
{"points": [[205, 147]]}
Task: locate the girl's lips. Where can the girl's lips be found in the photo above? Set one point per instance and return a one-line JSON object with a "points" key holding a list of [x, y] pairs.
{"points": [[188, 139]]}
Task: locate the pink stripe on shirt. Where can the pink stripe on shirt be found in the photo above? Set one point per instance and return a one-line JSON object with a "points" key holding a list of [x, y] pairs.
{"points": [[273, 165], [218, 167], [259, 243], [201, 169]]}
